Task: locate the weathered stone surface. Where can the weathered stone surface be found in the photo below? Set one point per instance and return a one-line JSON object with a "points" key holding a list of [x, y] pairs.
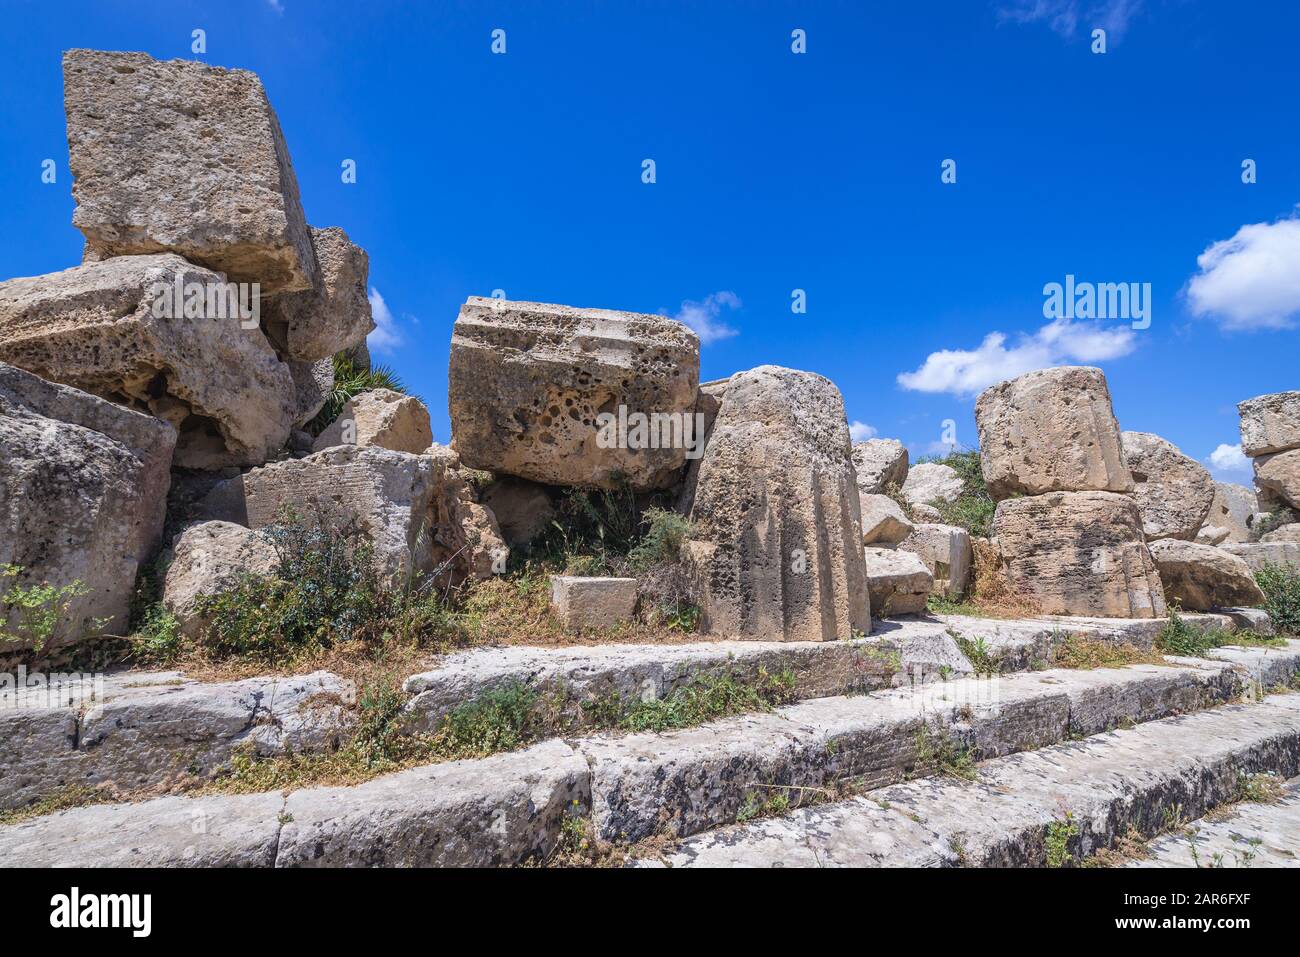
{"points": [[879, 463], [207, 558], [95, 327], [587, 603], [528, 382], [380, 417], [707, 405], [931, 482], [1270, 423], [499, 811], [183, 157], [389, 494], [1233, 509], [1259, 554], [312, 384], [334, 315], [83, 492], [776, 522], [926, 513], [1283, 533], [523, 509], [466, 538], [1051, 431], [883, 521], [1108, 783], [1212, 535], [946, 552], [1173, 492], [1079, 553], [1199, 577], [1279, 475], [898, 582]]}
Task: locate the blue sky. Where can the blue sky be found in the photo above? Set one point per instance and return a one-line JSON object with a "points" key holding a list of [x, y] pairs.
{"points": [[775, 171]]}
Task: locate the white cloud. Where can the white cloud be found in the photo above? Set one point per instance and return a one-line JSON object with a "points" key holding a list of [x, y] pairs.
{"points": [[275, 5], [1251, 281], [967, 372], [703, 316], [385, 337], [1229, 458], [1065, 16], [860, 431]]}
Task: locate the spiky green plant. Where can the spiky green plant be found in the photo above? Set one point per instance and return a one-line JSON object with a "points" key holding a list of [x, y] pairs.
{"points": [[350, 382]]}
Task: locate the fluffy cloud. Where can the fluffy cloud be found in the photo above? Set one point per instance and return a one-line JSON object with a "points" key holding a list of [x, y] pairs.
{"points": [[703, 316], [1251, 281], [385, 337], [1229, 458], [1065, 16], [967, 372], [860, 431]]}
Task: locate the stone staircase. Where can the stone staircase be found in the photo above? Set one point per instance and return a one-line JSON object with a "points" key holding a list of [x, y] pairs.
{"points": [[868, 767]]}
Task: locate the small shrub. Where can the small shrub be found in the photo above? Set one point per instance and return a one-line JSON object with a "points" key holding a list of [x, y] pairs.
{"points": [[1088, 653], [935, 748], [973, 509], [35, 611], [1180, 638], [158, 638], [1281, 587], [1056, 842], [350, 382], [1271, 521], [1259, 788], [708, 698], [498, 720], [977, 652], [665, 532]]}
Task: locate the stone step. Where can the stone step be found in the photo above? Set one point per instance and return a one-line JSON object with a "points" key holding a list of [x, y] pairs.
{"points": [[1054, 805], [1247, 835], [690, 780], [511, 808]]}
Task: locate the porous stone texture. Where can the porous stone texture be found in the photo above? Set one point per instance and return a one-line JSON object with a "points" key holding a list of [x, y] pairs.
{"points": [[1233, 510], [776, 544], [183, 157], [926, 513], [83, 492], [97, 327], [593, 603], [1211, 535], [883, 521], [467, 541], [1200, 577], [1108, 783], [1278, 475], [523, 509], [205, 559], [135, 732], [947, 553], [1258, 555], [494, 812], [334, 315], [898, 582], [1173, 492], [1283, 533], [1051, 431], [707, 405], [1079, 553], [388, 494], [380, 417], [879, 463], [528, 382], [312, 383], [1270, 423], [932, 482]]}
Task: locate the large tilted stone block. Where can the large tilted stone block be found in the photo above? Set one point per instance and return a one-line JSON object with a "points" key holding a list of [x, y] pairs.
{"points": [[932, 482], [183, 157], [334, 315], [1278, 474], [529, 381], [1199, 577], [1051, 431], [1079, 553], [380, 417], [389, 494], [1173, 492], [1270, 423], [582, 603], [897, 581], [108, 328], [879, 463], [777, 540], [1232, 510], [312, 382], [883, 521], [83, 492], [204, 559], [947, 552]]}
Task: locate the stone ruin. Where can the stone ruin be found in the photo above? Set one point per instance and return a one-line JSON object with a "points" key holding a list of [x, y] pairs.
{"points": [[133, 423]]}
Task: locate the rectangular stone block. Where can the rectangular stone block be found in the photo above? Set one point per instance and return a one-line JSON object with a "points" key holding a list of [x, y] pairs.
{"points": [[593, 602]]}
